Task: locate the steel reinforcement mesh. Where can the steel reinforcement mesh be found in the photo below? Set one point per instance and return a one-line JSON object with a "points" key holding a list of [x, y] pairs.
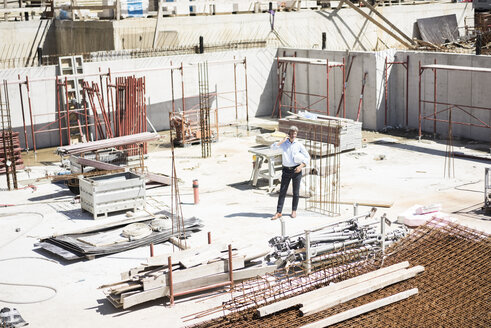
{"points": [[454, 289]]}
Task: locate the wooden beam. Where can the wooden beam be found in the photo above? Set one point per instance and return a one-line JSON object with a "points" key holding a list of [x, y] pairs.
{"points": [[371, 19], [387, 21], [144, 296], [97, 164], [157, 24], [324, 302], [361, 309], [191, 274], [293, 301]]}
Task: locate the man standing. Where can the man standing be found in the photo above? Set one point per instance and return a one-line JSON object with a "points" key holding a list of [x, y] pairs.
{"points": [[294, 158]]}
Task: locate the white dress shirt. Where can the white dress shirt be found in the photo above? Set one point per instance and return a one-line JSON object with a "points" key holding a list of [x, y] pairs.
{"points": [[294, 153]]}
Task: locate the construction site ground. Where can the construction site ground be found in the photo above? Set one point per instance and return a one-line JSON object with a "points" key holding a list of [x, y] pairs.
{"points": [[392, 167]]}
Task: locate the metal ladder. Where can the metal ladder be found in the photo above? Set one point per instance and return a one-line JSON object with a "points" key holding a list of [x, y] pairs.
{"points": [[8, 139], [70, 88]]}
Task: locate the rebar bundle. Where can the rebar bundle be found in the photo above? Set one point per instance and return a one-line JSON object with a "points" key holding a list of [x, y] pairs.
{"points": [[9, 157], [454, 290], [204, 109]]}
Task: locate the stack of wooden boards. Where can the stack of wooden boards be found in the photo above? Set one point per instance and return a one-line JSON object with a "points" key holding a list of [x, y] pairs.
{"points": [[340, 132], [191, 269], [19, 163], [344, 291]]}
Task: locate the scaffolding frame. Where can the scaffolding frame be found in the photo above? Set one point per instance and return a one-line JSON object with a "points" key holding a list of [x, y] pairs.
{"points": [[448, 106], [190, 132], [60, 85], [282, 68]]}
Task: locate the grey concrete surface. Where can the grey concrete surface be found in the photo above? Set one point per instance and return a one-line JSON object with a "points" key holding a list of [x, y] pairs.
{"points": [[410, 173]]}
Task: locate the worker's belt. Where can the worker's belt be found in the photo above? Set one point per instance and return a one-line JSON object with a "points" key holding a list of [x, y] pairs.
{"points": [[290, 168]]}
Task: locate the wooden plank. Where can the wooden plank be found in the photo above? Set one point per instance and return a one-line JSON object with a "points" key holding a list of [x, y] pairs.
{"points": [[201, 258], [327, 301], [181, 255], [371, 19], [144, 296], [192, 273], [362, 309], [159, 178], [293, 301], [97, 164], [388, 22]]}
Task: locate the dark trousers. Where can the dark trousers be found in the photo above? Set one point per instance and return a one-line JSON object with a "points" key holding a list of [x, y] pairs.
{"points": [[288, 174]]}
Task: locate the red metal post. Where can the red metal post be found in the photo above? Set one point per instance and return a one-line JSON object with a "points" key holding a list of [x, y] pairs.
{"points": [[171, 287], [407, 91], [172, 90], [85, 114], [294, 95], [419, 100], [58, 93], [386, 90], [30, 114], [434, 99], [230, 268], [23, 114], [235, 90], [209, 237], [67, 111], [344, 89], [182, 89], [327, 86], [246, 92], [151, 249]]}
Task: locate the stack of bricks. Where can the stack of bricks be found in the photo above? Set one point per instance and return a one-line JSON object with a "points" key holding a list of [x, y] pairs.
{"points": [[19, 163]]}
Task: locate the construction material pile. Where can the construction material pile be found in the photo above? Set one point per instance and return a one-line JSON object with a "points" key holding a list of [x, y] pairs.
{"points": [[115, 237], [185, 272], [360, 231], [453, 290], [16, 149], [340, 132]]}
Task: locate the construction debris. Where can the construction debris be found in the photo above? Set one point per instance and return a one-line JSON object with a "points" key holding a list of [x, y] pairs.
{"points": [[107, 143], [451, 291], [185, 272], [348, 137], [351, 234], [112, 238]]}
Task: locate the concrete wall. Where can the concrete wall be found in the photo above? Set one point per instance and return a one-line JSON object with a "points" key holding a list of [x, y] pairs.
{"points": [[76, 37], [345, 28], [454, 87], [158, 88], [19, 42], [312, 79], [43, 103]]}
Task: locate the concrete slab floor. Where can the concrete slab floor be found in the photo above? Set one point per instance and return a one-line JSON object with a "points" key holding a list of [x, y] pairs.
{"points": [[399, 170]]}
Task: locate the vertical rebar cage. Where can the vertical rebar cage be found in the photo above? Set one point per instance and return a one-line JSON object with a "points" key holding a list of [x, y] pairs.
{"points": [[323, 180], [204, 109]]}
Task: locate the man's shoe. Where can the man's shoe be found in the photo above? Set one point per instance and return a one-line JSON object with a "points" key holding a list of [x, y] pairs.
{"points": [[276, 216], [294, 214]]}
